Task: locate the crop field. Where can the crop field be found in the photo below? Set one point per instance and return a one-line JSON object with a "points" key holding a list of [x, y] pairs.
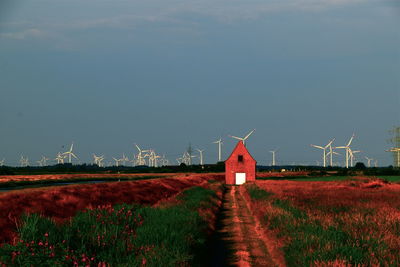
{"points": [[60, 203], [194, 220], [340, 223], [324, 178], [73, 177], [129, 235]]}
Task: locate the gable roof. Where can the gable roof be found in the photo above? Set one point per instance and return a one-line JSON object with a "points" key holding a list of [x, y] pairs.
{"points": [[239, 146]]}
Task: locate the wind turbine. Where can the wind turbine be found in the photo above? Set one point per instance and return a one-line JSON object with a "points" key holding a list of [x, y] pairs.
{"points": [[244, 138], [201, 156], [70, 154], [60, 158], [124, 159], [352, 157], [273, 156], [116, 161], [219, 142], [164, 161], [24, 161], [331, 153], [348, 149], [98, 159], [140, 157], [324, 150], [2, 162], [43, 161], [40, 163], [133, 161], [396, 150], [156, 157], [369, 161]]}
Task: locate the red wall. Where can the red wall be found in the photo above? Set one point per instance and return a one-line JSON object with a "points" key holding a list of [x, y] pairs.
{"points": [[232, 165]]}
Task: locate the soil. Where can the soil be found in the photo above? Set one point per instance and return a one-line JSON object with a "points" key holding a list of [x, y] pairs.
{"points": [[242, 234]]}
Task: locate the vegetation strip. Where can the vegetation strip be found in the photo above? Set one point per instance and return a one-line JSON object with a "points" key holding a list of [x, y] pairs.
{"points": [[127, 235], [308, 242], [40, 183]]}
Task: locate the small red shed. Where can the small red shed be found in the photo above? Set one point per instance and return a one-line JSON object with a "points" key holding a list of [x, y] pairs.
{"points": [[240, 167]]}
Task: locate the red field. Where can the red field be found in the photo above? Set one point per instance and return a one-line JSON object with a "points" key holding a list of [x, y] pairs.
{"points": [[367, 210], [63, 202], [281, 174], [16, 178]]}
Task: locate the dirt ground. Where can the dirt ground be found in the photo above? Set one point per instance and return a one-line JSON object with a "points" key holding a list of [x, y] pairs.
{"points": [[242, 230]]}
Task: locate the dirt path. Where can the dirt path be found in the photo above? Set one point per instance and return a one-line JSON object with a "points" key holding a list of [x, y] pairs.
{"points": [[243, 232]]}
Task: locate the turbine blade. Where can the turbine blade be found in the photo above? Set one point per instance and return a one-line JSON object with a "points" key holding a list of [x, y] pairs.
{"points": [[320, 147], [236, 137], [351, 140], [247, 136]]}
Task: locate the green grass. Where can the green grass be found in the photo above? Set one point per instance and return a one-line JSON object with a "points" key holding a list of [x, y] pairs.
{"points": [[256, 193], [41, 183], [123, 235], [393, 179], [310, 242]]}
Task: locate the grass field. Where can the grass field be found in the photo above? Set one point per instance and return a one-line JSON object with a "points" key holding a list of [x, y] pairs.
{"points": [[121, 235], [327, 178], [62, 202], [349, 223], [12, 185]]}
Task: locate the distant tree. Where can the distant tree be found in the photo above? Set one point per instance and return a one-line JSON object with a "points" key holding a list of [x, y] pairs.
{"points": [[360, 166]]}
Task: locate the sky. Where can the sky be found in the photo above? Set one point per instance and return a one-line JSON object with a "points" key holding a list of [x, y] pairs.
{"points": [[165, 73]]}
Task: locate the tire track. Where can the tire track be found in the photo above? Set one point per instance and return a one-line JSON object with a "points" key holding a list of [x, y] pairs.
{"points": [[242, 230]]}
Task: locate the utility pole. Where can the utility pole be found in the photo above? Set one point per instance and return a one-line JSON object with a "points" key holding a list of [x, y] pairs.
{"points": [[395, 140]]}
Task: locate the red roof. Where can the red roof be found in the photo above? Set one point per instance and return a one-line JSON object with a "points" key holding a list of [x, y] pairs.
{"points": [[240, 148]]}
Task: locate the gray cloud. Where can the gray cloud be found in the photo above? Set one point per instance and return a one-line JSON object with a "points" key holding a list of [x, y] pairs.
{"points": [[25, 34]]}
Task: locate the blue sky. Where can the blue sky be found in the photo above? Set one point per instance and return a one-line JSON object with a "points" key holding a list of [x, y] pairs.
{"points": [[108, 74]]}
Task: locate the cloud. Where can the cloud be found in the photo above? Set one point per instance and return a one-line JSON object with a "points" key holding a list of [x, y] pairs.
{"points": [[22, 35]]}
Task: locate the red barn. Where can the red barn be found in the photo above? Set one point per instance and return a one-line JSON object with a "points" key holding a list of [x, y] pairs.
{"points": [[240, 167]]}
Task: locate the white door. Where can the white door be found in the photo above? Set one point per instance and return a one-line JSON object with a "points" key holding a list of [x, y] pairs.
{"points": [[240, 178]]}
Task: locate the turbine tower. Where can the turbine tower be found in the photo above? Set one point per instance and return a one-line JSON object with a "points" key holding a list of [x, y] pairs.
{"points": [[2, 162], [219, 142], [43, 161], [244, 138], [201, 156], [348, 150], [140, 157], [124, 159], [60, 158], [24, 161], [70, 154], [352, 157], [117, 161], [369, 161], [324, 150], [273, 156], [97, 160]]}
